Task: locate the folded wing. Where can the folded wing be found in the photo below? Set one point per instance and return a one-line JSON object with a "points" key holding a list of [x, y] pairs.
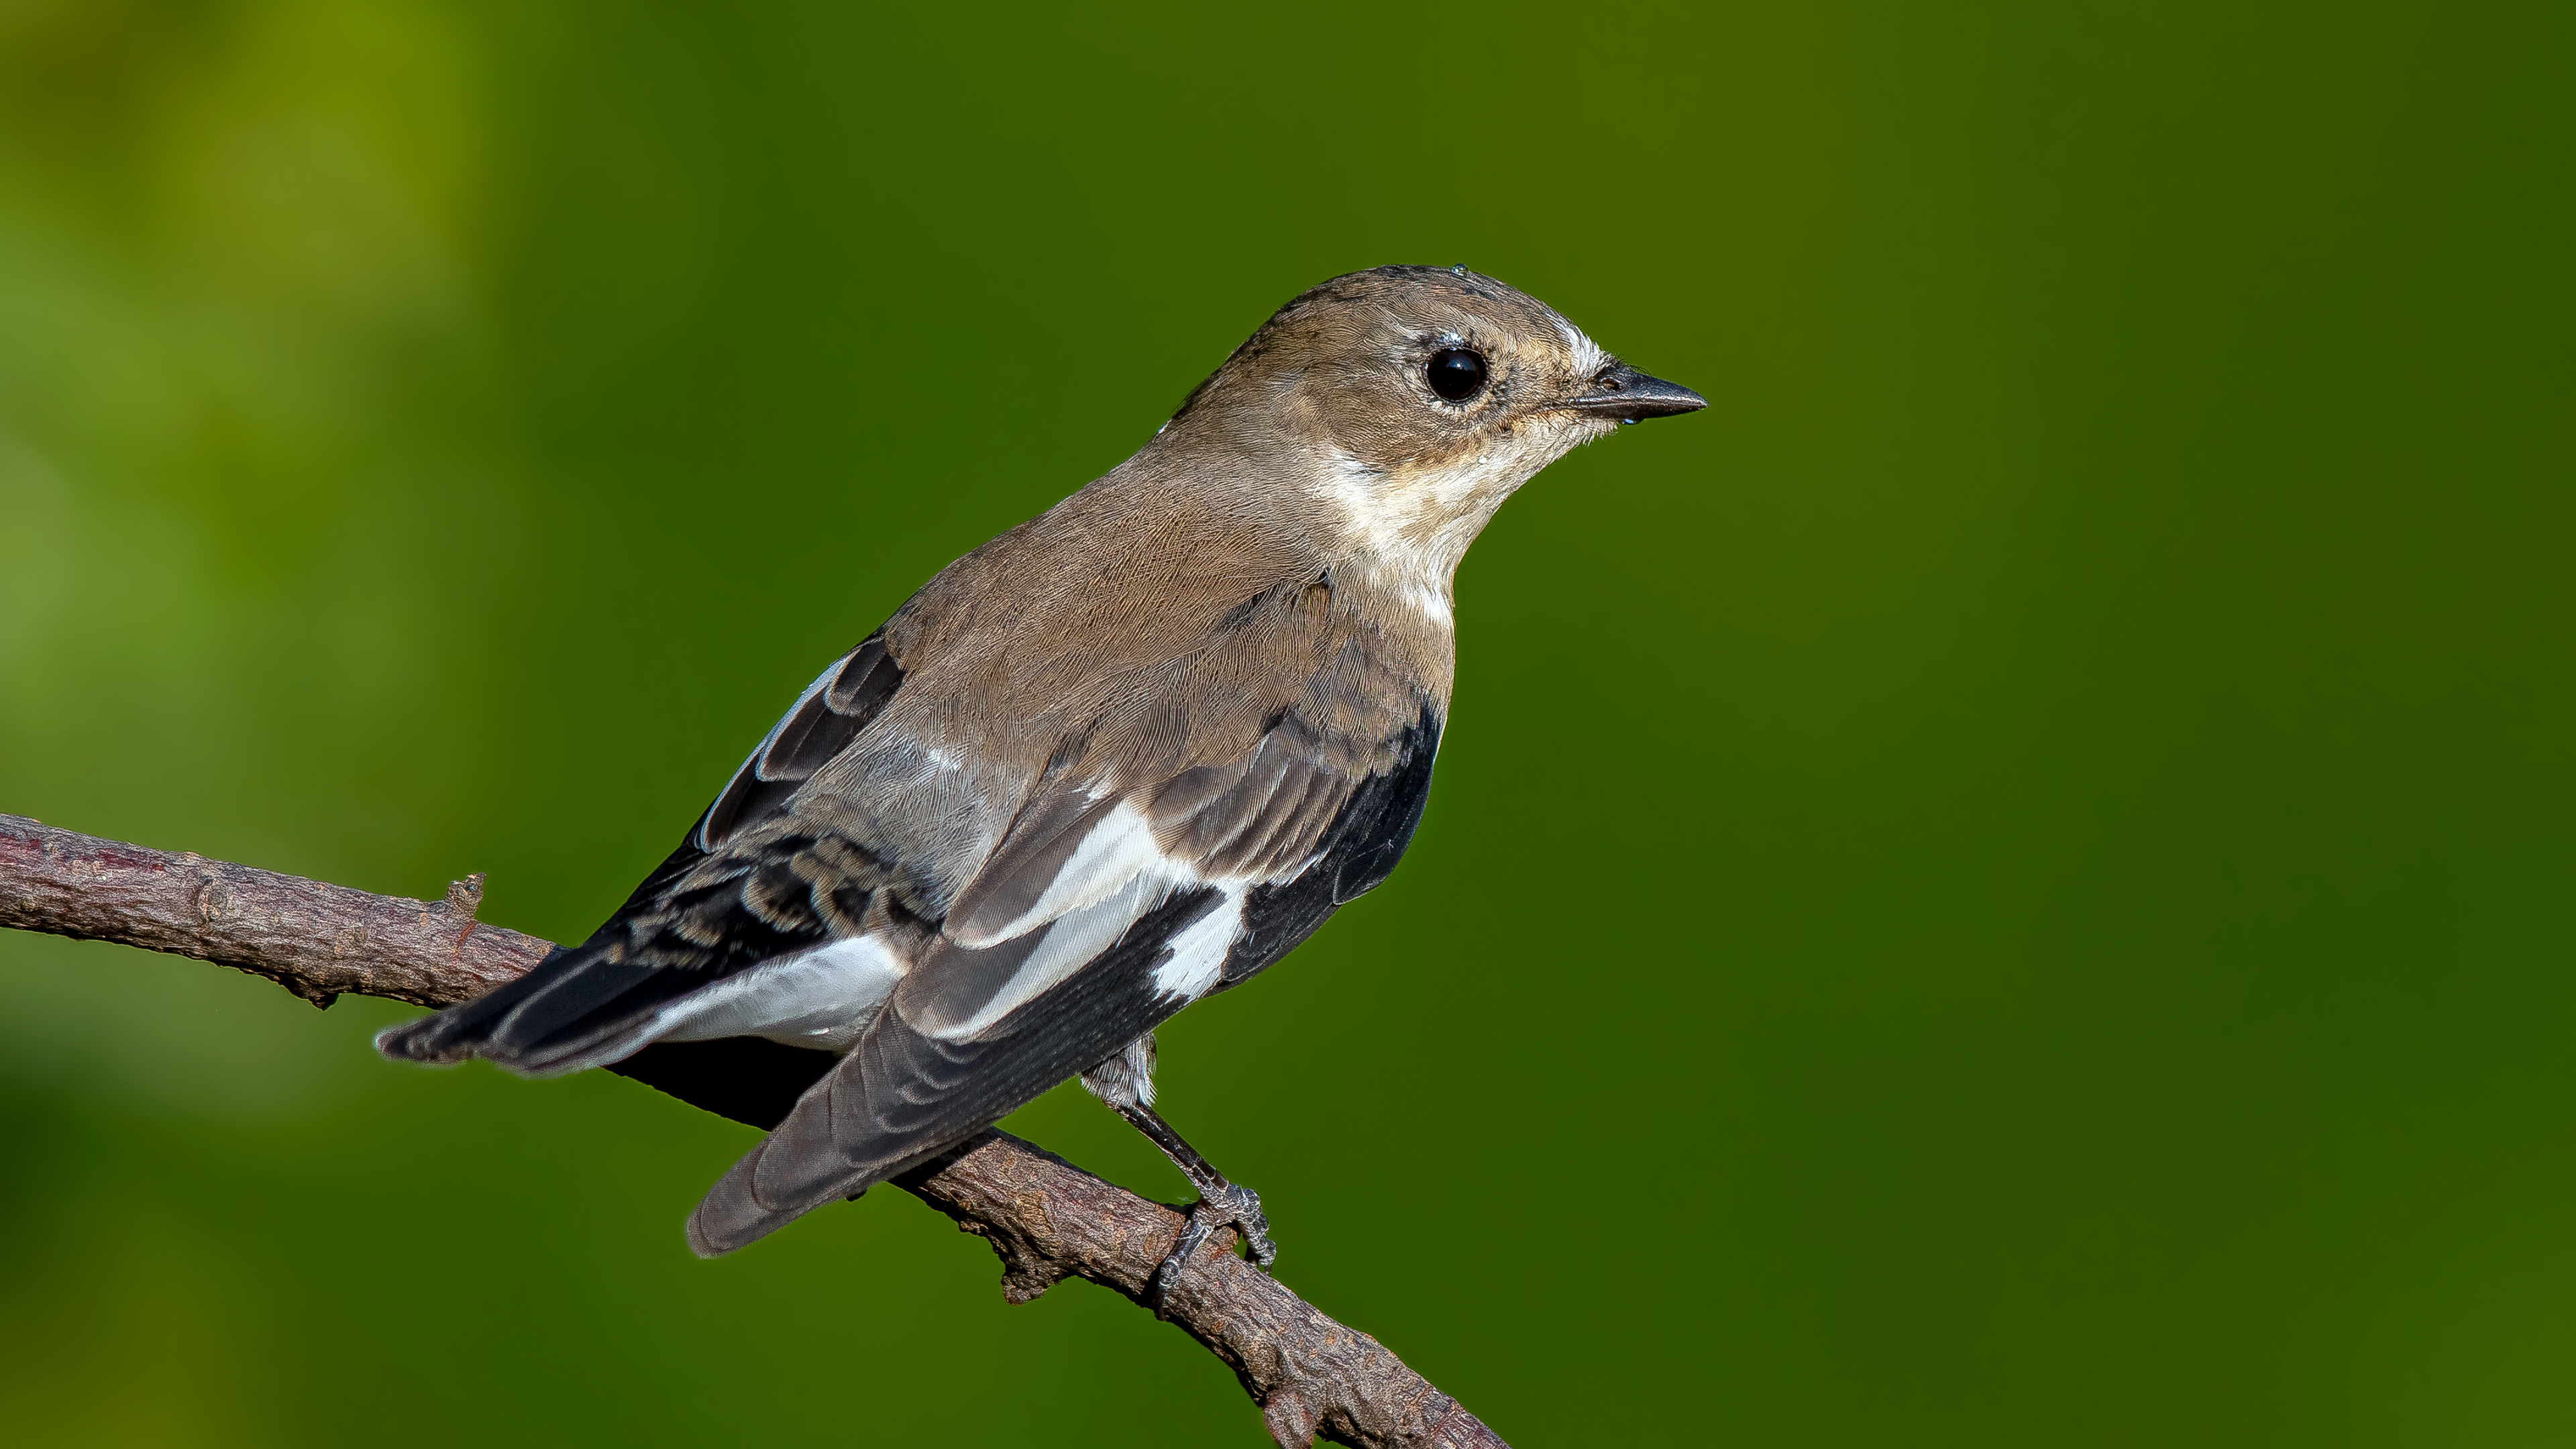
{"points": [[1097, 917]]}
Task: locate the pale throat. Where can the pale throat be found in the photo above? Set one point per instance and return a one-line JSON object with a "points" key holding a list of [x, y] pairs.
{"points": [[1406, 530]]}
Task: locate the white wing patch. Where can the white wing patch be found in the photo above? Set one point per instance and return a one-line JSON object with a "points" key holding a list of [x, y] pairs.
{"points": [[1110, 856], [1116, 877], [1199, 949], [821, 998]]}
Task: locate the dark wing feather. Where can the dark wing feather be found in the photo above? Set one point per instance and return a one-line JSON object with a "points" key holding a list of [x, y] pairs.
{"points": [[749, 883], [1365, 842], [750, 1079], [901, 1096], [821, 724]]}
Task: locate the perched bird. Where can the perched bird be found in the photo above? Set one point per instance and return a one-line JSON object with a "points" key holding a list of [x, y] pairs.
{"points": [[1127, 754]]}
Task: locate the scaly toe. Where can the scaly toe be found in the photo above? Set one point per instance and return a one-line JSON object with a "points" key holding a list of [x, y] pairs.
{"points": [[1242, 1208], [1230, 1206], [1194, 1235]]}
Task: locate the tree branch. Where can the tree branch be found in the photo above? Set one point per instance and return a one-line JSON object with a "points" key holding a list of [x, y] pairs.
{"points": [[1046, 1219]]}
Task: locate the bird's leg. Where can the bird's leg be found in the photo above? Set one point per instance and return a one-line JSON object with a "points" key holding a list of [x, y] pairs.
{"points": [[1221, 1204], [1125, 1084]]}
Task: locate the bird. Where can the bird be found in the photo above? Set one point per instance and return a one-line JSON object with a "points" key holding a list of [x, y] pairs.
{"points": [[1124, 756]]}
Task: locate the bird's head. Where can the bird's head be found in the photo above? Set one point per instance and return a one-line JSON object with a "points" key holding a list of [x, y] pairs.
{"points": [[1395, 409]]}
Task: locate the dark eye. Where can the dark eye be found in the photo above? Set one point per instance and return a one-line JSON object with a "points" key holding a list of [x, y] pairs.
{"points": [[1456, 374]]}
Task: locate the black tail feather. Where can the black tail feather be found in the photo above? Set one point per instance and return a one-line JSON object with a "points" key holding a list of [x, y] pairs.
{"points": [[566, 1013], [460, 1031], [750, 1079]]}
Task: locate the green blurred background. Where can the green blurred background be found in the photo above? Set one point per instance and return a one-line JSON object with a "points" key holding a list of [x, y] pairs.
{"points": [[2006, 885]]}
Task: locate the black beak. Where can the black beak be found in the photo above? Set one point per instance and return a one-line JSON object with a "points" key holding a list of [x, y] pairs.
{"points": [[1622, 392]]}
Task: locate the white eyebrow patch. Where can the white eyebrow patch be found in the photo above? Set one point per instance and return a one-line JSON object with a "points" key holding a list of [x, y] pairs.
{"points": [[1588, 356]]}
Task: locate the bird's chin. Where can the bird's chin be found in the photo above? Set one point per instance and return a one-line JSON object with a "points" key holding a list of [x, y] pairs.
{"points": [[1567, 431]]}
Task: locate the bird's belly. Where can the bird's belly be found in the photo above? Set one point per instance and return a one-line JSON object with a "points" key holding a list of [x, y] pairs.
{"points": [[821, 998]]}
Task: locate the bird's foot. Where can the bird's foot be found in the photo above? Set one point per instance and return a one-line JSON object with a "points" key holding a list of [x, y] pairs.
{"points": [[1228, 1206]]}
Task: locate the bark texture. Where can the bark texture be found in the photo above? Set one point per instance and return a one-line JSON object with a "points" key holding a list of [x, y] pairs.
{"points": [[1046, 1219]]}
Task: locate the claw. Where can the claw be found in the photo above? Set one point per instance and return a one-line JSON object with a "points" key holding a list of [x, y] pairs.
{"points": [[1231, 1206], [1221, 1204], [1243, 1208]]}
